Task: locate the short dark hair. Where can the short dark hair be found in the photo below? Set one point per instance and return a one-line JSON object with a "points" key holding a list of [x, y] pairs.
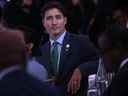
{"points": [[51, 5], [117, 36]]}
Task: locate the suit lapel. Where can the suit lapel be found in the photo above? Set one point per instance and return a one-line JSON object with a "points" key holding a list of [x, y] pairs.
{"points": [[47, 55], [65, 52]]}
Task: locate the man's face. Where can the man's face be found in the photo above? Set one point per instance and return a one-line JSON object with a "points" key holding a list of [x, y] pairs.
{"points": [[54, 22], [27, 2], [75, 2]]}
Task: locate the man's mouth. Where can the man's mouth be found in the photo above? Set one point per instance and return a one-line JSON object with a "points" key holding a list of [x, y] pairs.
{"points": [[54, 28]]}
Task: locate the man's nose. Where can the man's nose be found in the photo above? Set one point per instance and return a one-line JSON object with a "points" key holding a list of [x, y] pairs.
{"points": [[54, 21]]}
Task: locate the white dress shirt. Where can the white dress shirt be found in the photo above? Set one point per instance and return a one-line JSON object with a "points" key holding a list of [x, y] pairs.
{"points": [[60, 43]]}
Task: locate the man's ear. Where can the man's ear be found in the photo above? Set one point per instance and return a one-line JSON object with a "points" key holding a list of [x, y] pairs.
{"points": [[29, 47], [65, 20], [43, 22]]}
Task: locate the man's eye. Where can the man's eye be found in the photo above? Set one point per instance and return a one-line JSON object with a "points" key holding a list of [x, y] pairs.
{"points": [[49, 17], [58, 16]]}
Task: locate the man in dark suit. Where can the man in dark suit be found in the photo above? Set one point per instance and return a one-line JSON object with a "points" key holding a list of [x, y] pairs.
{"points": [[114, 45], [72, 50], [14, 81]]}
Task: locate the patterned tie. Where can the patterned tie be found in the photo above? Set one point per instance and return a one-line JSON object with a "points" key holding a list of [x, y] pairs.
{"points": [[54, 56]]}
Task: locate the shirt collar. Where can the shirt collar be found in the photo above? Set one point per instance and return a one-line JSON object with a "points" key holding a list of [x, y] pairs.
{"points": [[8, 70], [60, 39]]}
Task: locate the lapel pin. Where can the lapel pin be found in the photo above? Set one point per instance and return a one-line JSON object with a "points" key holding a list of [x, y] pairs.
{"points": [[67, 47]]}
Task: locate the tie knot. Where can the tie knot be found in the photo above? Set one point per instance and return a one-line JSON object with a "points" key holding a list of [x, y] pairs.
{"points": [[55, 43]]}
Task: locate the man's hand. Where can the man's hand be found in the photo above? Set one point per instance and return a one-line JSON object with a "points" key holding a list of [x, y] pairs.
{"points": [[51, 80], [74, 83]]}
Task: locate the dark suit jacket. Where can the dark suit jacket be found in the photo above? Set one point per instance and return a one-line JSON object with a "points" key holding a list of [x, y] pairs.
{"points": [[119, 85], [18, 83], [80, 51]]}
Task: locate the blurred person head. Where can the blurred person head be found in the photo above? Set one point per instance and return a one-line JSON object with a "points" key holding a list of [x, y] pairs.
{"points": [[12, 48], [75, 2], [27, 2], [113, 44], [54, 19], [120, 13], [28, 38], [118, 16]]}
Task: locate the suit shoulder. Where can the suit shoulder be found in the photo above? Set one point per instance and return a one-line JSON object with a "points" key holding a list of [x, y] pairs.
{"points": [[79, 37]]}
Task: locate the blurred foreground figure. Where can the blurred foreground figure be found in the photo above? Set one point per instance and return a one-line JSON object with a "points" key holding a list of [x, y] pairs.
{"points": [[13, 79], [114, 47]]}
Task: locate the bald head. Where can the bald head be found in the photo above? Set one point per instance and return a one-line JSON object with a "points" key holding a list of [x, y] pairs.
{"points": [[12, 48]]}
